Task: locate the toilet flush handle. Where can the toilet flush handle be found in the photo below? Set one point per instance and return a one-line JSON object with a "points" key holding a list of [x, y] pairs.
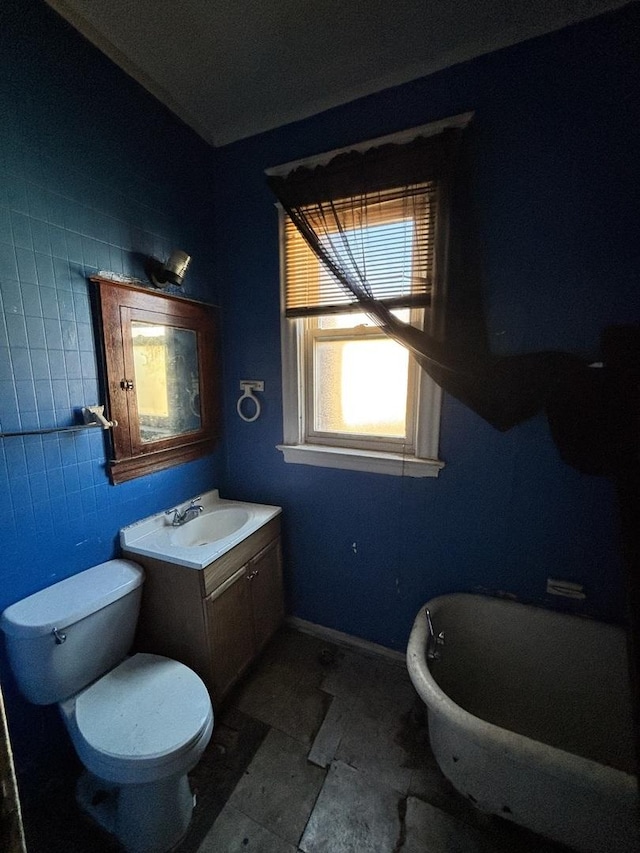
{"points": [[59, 636]]}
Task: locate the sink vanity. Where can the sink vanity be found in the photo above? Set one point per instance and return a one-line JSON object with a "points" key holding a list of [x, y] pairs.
{"points": [[212, 596]]}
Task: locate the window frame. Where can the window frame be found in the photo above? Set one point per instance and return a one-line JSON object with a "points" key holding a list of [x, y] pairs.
{"points": [[425, 462], [312, 332], [419, 461]]}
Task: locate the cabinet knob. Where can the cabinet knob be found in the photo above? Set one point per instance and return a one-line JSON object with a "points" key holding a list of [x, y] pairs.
{"points": [[252, 575]]}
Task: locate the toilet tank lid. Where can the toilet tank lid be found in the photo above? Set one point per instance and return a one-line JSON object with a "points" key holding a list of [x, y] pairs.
{"points": [[71, 599]]}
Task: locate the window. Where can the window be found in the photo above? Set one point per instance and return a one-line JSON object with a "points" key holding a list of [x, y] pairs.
{"points": [[365, 232], [353, 397], [360, 384], [160, 376]]}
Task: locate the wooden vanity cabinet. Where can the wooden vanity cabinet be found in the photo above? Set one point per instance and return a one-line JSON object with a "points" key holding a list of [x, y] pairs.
{"points": [[250, 598], [215, 620]]}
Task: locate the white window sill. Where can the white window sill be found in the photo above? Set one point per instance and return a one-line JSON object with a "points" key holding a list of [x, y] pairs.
{"points": [[373, 462]]}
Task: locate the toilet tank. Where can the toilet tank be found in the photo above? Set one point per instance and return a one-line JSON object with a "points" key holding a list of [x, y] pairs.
{"points": [[64, 637]]}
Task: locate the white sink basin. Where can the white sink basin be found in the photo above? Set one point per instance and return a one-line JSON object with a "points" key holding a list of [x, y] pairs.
{"points": [[209, 527], [201, 540]]}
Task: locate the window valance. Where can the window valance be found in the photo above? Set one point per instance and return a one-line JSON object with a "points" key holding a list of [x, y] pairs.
{"points": [[371, 217]]}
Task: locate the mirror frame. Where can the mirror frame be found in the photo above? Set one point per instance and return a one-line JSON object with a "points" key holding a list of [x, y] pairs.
{"points": [[117, 305]]}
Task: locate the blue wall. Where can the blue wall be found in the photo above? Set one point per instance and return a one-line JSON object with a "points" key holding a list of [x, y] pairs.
{"points": [[556, 168], [94, 174]]}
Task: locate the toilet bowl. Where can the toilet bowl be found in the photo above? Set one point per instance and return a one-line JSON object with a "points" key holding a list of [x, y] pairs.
{"points": [[148, 718], [140, 728], [139, 724]]}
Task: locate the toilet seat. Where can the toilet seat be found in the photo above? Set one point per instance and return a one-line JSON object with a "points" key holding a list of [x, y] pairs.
{"points": [[142, 720]]}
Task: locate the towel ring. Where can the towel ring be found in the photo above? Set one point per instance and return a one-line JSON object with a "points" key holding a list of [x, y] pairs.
{"points": [[248, 387]]}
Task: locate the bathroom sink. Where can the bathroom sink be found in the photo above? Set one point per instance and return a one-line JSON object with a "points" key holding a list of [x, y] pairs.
{"points": [[202, 539], [209, 527]]}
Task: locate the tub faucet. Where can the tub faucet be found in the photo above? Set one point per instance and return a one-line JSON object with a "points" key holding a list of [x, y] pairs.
{"points": [[434, 641], [186, 515]]}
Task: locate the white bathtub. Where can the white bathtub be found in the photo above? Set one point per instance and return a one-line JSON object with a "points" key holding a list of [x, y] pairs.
{"points": [[530, 717]]}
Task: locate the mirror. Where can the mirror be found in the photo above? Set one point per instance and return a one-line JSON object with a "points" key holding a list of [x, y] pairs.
{"points": [[161, 384], [166, 382]]}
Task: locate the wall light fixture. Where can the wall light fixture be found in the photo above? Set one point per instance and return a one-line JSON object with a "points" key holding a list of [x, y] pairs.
{"points": [[171, 271]]}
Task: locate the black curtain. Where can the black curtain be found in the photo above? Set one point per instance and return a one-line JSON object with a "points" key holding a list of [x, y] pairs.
{"points": [[503, 390]]}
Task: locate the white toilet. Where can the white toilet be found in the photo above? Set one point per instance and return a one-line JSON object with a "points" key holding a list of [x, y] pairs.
{"points": [[139, 723]]}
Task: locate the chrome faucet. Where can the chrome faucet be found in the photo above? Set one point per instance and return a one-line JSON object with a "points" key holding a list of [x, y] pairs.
{"points": [[434, 641], [186, 515]]}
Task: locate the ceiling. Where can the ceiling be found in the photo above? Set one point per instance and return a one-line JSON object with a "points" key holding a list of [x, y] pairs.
{"points": [[234, 68]]}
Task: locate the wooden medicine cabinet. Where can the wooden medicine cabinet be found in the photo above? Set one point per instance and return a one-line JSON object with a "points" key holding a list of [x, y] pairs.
{"points": [[161, 377]]}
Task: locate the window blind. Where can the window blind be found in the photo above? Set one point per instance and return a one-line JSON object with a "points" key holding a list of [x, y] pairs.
{"points": [[382, 241]]}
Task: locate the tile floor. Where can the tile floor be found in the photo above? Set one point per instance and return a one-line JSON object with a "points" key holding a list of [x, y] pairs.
{"points": [[320, 750]]}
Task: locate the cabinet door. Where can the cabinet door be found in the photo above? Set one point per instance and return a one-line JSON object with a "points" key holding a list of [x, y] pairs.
{"points": [[265, 573], [231, 641]]}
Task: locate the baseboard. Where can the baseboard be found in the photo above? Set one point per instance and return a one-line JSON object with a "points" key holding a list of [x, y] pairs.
{"points": [[346, 640]]}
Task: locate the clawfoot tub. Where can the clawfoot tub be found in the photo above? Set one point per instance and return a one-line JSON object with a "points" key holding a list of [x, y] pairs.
{"points": [[530, 716]]}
